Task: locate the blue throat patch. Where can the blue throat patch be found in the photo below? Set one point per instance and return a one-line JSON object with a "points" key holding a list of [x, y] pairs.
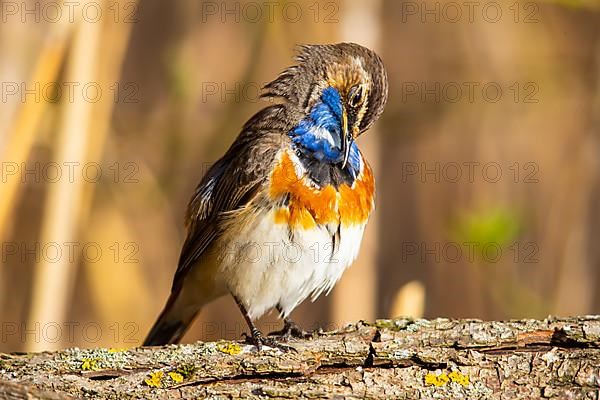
{"points": [[319, 134]]}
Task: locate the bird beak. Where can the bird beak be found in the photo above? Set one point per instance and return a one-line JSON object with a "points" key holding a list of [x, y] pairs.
{"points": [[346, 142]]}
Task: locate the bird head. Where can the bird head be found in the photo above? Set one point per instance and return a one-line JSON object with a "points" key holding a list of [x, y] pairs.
{"points": [[338, 91]]}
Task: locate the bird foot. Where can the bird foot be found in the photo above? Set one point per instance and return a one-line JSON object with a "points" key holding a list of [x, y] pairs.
{"points": [[291, 330], [259, 341]]}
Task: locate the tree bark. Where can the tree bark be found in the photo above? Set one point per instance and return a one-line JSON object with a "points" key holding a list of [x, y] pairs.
{"points": [[407, 359]]}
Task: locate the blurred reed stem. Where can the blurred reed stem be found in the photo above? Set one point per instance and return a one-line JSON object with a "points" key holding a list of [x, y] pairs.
{"points": [[52, 282], [23, 133], [114, 40]]}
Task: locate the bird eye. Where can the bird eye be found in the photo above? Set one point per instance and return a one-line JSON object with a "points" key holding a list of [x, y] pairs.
{"points": [[356, 96]]}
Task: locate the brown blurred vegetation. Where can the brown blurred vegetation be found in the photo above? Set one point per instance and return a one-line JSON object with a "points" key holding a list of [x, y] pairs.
{"points": [[187, 81]]}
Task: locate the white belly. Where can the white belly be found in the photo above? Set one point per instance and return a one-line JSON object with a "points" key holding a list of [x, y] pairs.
{"points": [[264, 266]]}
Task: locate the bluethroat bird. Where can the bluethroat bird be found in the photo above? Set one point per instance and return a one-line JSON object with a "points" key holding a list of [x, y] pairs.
{"points": [[281, 215]]}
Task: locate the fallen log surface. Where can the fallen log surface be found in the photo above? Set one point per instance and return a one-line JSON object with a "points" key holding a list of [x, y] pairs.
{"points": [[555, 358]]}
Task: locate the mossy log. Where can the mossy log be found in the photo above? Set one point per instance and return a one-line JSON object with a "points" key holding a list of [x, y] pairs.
{"points": [[407, 359]]}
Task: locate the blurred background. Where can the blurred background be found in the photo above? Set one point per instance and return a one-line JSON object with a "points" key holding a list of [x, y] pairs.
{"points": [[486, 157]]}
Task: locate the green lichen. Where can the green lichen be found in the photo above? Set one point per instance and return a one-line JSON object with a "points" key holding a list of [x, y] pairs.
{"points": [[91, 359], [186, 370]]}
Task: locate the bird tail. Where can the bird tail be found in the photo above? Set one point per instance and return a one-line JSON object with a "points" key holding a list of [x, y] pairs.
{"points": [[172, 323]]}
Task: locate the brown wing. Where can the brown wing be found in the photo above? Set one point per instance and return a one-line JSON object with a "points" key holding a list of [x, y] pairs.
{"points": [[229, 185]]}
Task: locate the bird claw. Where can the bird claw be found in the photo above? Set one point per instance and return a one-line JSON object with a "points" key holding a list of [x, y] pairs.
{"points": [[258, 340], [291, 330]]}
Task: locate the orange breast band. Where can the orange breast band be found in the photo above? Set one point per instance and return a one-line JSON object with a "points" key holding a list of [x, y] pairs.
{"points": [[309, 206]]}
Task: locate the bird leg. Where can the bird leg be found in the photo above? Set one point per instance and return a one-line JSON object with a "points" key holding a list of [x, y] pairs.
{"points": [[256, 337], [290, 329]]}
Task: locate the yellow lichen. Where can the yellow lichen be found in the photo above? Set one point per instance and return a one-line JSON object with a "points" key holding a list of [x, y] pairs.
{"points": [[155, 379], [436, 380], [459, 377], [229, 348], [90, 364], [177, 377], [117, 350]]}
